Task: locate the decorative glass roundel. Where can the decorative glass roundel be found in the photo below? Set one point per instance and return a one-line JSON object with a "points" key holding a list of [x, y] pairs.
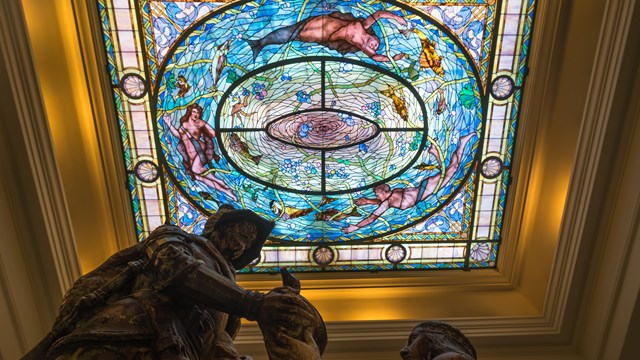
{"points": [[133, 86], [502, 87], [341, 123], [147, 171], [491, 167], [323, 255], [395, 253]]}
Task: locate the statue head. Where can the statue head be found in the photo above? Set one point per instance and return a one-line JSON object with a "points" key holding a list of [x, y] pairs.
{"points": [[435, 340], [294, 332], [238, 234]]}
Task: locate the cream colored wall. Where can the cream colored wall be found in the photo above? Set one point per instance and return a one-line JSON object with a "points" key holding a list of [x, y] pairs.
{"points": [[530, 304]]}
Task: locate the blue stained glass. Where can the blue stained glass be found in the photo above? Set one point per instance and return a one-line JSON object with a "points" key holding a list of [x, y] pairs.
{"points": [[349, 123]]}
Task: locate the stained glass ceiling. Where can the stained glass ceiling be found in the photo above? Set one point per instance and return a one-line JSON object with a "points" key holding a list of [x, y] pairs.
{"points": [[377, 134]]}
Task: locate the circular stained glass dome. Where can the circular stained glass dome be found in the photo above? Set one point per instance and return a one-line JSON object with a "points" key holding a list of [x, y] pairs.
{"points": [[336, 138], [322, 125]]}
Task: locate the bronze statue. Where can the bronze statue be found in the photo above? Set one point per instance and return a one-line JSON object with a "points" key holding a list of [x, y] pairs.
{"points": [[301, 338], [174, 296], [435, 340]]}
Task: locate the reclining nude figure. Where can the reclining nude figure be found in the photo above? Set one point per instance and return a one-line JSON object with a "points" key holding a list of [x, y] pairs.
{"points": [[404, 198], [338, 31]]}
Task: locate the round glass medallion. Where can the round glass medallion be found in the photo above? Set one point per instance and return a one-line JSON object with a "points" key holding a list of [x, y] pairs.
{"points": [[480, 251], [323, 255], [502, 87], [395, 254], [133, 86], [146, 171], [491, 167]]}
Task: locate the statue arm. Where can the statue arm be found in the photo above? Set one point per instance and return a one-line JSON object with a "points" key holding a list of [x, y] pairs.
{"points": [[218, 292], [212, 289], [177, 270], [221, 293]]}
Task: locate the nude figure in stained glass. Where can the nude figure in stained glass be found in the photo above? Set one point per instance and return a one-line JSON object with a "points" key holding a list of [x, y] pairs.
{"points": [[404, 198], [197, 149], [338, 31]]}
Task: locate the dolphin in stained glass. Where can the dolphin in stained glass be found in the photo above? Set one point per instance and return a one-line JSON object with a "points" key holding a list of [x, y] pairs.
{"points": [[335, 215], [236, 144], [219, 61]]}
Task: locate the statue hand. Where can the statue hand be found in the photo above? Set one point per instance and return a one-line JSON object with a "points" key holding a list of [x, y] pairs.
{"points": [[282, 306]]}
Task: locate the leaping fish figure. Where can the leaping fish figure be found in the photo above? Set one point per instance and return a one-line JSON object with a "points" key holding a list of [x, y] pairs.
{"points": [[288, 212], [335, 215], [398, 102], [425, 167], [219, 61], [442, 103], [236, 144], [429, 58]]}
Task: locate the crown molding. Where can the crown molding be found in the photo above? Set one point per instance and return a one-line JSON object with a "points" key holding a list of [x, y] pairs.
{"points": [[35, 136], [103, 113]]}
